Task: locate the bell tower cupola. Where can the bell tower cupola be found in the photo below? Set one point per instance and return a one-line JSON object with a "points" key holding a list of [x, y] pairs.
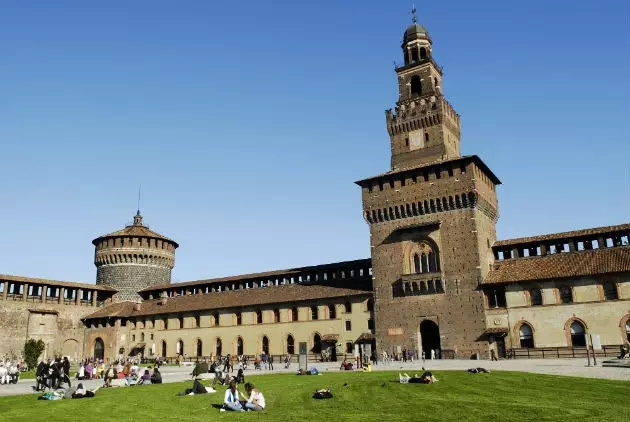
{"points": [[424, 127]]}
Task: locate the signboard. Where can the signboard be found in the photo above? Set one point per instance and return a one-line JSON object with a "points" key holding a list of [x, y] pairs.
{"points": [[596, 341], [394, 331]]}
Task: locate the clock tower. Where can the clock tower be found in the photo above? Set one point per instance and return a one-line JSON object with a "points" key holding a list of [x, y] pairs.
{"points": [[424, 126], [432, 220]]}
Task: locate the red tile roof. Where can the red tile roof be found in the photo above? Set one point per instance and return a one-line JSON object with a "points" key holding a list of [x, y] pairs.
{"points": [[561, 265], [564, 235], [228, 299]]}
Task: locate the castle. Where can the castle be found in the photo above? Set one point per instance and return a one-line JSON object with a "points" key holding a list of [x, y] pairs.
{"points": [[438, 279]]}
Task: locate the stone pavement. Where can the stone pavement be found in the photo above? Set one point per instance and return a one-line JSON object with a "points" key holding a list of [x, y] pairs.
{"points": [[566, 367]]}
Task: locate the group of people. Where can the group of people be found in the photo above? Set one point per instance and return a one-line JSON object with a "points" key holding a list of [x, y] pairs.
{"points": [[52, 373], [10, 372]]}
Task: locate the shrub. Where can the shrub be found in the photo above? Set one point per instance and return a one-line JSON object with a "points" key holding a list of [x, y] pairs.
{"points": [[32, 349]]}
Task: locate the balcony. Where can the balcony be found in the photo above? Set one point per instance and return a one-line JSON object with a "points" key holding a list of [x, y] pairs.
{"points": [[423, 284]]}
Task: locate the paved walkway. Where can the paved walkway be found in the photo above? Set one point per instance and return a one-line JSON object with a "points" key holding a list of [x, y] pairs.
{"points": [[567, 367]]}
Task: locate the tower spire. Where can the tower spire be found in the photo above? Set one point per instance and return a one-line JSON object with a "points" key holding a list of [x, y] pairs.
{"points": [[139, 190], [137, 219], [413, 13]]}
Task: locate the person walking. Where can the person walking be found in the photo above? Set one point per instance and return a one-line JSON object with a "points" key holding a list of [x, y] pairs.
{"points": [[270, 360]]}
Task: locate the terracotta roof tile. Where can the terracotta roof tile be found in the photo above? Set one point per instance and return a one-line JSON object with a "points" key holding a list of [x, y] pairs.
{"points": [[20, 279], [564, 235], [228, 299], [561, 265]]}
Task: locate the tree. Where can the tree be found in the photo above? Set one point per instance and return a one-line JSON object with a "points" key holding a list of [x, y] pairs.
{"points": [[32, 349]]}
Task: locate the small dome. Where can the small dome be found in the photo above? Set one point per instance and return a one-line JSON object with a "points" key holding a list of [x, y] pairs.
{"points": [[415, 31]]}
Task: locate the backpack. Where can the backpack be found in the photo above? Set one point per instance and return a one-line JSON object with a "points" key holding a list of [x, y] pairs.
{"points": [[322, 394]]}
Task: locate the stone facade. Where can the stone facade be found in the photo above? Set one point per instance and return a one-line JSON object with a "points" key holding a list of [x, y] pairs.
{"points": [[433, 204], [202, 334], [129, 279]]}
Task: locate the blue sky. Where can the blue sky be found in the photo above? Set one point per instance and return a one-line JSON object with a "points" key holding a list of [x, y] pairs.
{"points": [[248, 122]]}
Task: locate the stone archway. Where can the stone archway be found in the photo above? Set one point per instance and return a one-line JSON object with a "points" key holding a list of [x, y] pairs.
{"points": [[70, 348], [430, 337], [99, 348]]}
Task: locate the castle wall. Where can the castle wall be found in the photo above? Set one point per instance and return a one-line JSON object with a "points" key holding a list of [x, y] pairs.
{"points": [[59, 326]]}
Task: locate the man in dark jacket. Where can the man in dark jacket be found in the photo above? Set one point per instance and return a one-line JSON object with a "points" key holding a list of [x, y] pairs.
{"points": [[40, 375], [156, 377]]}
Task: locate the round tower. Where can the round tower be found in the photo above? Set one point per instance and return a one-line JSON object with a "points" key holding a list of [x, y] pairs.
{"points": [[133, 259]]}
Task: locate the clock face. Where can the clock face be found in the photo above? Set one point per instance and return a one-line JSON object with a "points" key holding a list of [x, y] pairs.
{"points": [[415, 140]]}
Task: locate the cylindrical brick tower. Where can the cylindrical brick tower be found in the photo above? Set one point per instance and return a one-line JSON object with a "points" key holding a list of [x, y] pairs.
{"points": [[132, 259]]}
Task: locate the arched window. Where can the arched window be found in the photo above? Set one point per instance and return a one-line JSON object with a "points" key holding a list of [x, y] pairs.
{"points": [[432, 263], [535, 297], [290, 345], [259, 317], [348, 307], [265, 345], [566, 295], [239, 346], [435, 82], [416, 85], [332, 311], [425, 264], [294, 314], [416, 264], [578, 334], [163, 348], [610, 291], [526, 336], [199, 347], [414, 54], [423, 53], [317, 343], [314, 314]]}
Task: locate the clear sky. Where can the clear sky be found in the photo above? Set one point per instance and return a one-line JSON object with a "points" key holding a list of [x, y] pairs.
{"points": [[247, 122]]}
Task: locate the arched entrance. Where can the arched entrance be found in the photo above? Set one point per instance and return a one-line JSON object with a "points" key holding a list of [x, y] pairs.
{"points": [[99, 349], [219, 348], [317, 343], [199, 347], [239, 346], [290, 345], [163, 348], [265, 345], [180, 347], [430, 335], [578, 334]]}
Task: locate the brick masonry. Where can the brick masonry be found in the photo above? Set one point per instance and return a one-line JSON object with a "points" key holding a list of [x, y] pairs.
{"points": [[128, 279]]}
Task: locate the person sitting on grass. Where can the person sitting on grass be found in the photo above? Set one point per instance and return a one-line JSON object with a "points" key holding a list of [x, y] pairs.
{"points": [[146, 378], [230, 401], [256, 400], [156, 377], [240, 377]]}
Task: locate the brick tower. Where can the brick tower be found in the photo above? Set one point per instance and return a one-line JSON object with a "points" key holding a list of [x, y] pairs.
{"points": [[432, 219], [132, 259]]}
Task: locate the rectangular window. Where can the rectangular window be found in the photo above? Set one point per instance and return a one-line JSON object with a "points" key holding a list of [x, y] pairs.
{"points": [[370, 324], [314, 314], [133, 337], [348, 326], [349, 347], [151, 336]]}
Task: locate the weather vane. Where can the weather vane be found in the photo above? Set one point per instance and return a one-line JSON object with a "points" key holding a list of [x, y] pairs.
{"points": [[413, 13]]}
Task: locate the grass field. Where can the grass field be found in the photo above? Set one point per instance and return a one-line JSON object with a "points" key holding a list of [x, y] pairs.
{"points": [[499, 396]]}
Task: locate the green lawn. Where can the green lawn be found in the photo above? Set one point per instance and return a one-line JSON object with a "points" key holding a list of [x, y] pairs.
{"points": [[499, 396]]}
